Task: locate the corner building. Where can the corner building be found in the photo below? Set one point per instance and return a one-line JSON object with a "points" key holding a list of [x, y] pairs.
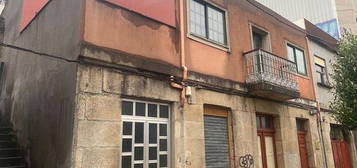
{"points": [[180, 83]]}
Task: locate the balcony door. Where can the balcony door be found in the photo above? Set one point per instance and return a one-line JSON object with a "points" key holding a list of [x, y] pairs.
{"points": [[260, 38], [266, 141]]}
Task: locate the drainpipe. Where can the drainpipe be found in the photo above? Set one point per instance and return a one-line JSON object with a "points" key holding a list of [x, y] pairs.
{"points": [[181, 86], [321, 131], [183, 51], [184, 160]]}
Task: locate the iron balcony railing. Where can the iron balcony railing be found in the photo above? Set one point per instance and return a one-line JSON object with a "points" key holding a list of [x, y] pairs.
{"points": [[263, 66]]}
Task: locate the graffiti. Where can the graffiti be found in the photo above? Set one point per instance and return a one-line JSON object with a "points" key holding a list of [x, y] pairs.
{"points": [[246, 161]]}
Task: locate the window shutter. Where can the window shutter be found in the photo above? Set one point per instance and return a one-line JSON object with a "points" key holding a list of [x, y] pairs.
{"points": [[320, 61]]}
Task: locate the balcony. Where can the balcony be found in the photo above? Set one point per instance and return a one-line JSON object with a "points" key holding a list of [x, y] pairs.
{"points": [[271, 76]]}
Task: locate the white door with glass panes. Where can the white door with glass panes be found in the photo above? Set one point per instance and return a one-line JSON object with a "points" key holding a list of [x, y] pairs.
{"points": [[145, 134]]}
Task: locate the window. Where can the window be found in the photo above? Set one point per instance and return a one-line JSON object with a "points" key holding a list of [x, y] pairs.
{"points": [[297, 56], [300, 125], [208, 22], [145, 134], [338, 133], [266, 141], [260, 39], [321, 74]]}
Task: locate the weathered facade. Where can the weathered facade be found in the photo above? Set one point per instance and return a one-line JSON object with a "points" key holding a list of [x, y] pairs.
{"points": [[38, 92], [324, 51], [125, 89]]}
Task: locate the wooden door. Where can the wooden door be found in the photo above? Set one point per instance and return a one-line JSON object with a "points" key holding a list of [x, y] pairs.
{"points": [[340, 147], [303, 149], [266, 141], [341, 156]]}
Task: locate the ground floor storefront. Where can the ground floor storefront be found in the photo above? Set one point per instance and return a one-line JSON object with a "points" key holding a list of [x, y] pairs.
{"points": [[130, 120]]}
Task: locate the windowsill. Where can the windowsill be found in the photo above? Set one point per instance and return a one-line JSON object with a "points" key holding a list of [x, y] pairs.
{"points": [[302, 75], [324, 85], [208, 42]]}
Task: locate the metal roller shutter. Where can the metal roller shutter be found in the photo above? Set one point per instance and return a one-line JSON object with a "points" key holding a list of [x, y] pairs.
{"points": [[216, 142]]}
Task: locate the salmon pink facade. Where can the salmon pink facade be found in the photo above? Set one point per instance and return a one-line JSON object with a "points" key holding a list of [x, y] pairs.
{"points": [[30, 10], [160, 42]]}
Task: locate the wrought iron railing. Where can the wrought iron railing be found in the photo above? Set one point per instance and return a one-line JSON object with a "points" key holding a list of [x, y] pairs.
{"points": [[263, 66]]}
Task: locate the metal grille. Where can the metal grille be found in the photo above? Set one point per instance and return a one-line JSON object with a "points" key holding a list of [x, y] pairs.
{"points": [[216, 142], [145, 135], [263, 66]]}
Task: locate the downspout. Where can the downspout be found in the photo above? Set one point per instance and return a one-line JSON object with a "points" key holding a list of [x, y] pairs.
{"points": [[318, 114], [181, 85], [321, 132], [183, 51], [182, 56]]}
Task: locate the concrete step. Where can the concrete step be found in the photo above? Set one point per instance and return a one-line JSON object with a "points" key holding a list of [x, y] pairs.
{"points": [[12, 161], [21, 166], [10, 152], [5, 130], [10, 155], [6, 137], [8, 144]]}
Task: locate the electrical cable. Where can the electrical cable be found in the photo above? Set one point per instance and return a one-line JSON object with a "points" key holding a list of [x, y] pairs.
{"points": [[37, 53]]}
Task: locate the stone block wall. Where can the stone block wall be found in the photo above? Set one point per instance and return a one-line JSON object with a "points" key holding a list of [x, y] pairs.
{"points": [[97, 142]]}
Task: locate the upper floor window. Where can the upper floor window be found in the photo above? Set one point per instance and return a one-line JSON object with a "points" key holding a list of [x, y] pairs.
{"points": [[321, 73], [297, 56], [208, 21]]}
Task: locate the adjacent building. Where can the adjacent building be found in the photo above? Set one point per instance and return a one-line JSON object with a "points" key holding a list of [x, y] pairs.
{"points": [[347, 15], [164, 83], [332, 16], [323, 49]]}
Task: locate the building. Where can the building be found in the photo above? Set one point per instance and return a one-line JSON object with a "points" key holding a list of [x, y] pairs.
{"points": [[347, 15], [323, 51], [170, 83], [317, 11], [332, 16]]}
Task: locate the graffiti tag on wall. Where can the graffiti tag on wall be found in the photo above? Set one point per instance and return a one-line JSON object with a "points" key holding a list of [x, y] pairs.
{"points": [[246, 161]]}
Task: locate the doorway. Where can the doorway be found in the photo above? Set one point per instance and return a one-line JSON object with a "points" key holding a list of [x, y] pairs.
{"points": [[340, 147], [301, 134], [266, 141]]}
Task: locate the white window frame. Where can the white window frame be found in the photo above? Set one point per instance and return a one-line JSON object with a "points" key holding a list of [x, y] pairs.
{"points": [[146, 120]]}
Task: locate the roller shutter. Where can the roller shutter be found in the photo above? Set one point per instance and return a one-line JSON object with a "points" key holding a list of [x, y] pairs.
{"points": [[216, 142]]}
